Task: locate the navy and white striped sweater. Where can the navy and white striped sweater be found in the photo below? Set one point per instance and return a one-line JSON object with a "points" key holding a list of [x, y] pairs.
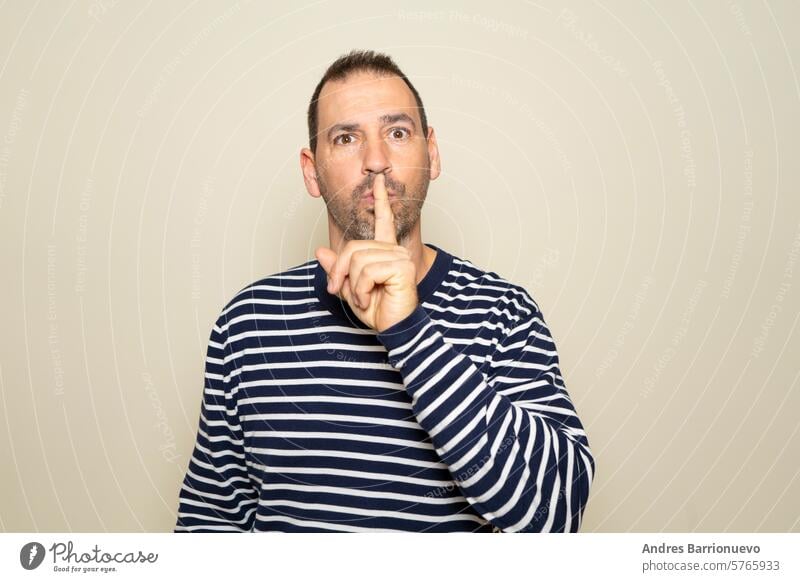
{"points": [[454, 419]]}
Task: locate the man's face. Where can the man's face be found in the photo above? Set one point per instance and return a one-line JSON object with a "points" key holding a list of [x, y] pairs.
{"points": [[370, 124]]}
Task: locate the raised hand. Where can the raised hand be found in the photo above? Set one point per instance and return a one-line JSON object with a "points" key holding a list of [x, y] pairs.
{"points": [[376, 277]]}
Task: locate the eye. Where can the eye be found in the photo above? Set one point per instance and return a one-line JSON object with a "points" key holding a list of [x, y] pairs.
{"points": [[344, 139], [402, 131]]}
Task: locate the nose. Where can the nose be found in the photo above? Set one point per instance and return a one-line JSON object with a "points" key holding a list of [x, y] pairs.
{"points": [[376, 158]]}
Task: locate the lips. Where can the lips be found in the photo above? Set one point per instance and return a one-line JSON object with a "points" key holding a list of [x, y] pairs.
{"points": [[371, 196]]}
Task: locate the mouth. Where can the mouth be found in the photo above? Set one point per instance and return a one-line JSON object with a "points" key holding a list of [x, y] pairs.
{"points": [[369, 196]]}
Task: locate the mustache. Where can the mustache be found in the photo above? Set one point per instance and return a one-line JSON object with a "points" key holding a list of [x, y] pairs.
{"points": [[392, 185]]}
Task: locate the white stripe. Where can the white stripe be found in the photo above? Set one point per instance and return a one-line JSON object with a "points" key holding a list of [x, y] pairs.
{"points": [[368, 420], [472, 311], [321, 525], [492, 298], [349, 455], [447, 393], [474, 286], [472, 341], [522, 365], [281, 302], [347, 510], [218, 468], [523, 387], [547, 398], [553, 409], [244, 520], [456, 440], [217, 454], [501, 481], [220, 439], [492, 407], [568, 487], [216, 482], [435, 379], [299, 348], [587, 466], [303, 331], [364, 493], [337, 435], [425, 364], [366, 475], [318, 382], [273, 317], [272, 288], [223, 423], [475, 326], [307, 364], [501, 434], [447, 420], [470, 454], [523, 481], [365, 401], [237, 493], [537, 498], [399, 350], [548, 526], [488, 465]]}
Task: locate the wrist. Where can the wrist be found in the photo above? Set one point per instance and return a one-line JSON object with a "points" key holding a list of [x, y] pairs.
{"points": [[404, 330]]}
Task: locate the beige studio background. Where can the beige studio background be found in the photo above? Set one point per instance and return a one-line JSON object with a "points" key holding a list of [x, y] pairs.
{"points": [[633, 164]]}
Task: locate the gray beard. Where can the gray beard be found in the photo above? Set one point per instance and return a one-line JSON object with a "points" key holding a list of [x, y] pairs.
{"points": [[355, 227], [360, 229]]}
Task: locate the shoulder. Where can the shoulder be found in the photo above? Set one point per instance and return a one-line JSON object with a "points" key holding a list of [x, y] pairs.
{"points": [[277, 293], [470, 280]]}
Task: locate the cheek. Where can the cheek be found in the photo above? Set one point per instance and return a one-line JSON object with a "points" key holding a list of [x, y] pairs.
{"points": [[416, 161], [337, 163], [341, 180], [416, 177], [345, 156]]}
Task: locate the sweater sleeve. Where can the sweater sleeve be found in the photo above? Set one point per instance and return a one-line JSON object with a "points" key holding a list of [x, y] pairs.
{"points": [[508, 432], [217, 494]]}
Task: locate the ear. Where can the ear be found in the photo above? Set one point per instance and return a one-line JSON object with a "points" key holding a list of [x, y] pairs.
{"points": [[309, 168], [433, 154]]}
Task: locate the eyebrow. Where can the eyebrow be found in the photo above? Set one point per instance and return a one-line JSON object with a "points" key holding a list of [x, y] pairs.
{"points": [[384, 119]]}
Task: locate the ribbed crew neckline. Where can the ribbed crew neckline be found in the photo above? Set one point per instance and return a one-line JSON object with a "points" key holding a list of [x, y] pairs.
{"points": [[425, 288]]}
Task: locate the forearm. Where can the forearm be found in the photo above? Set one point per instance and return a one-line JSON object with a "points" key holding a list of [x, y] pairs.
{"points": [[521, 470]]}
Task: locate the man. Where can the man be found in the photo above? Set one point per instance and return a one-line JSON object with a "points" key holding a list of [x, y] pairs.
{"points": [[387, 385]]}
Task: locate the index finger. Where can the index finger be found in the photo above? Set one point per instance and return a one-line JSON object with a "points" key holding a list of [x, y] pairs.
{"points": [[384, 219]]}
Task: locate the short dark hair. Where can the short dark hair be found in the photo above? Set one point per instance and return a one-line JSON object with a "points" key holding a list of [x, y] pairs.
{"points": [[353, 62]]}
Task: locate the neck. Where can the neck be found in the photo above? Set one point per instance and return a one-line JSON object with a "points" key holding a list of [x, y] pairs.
{"points": [[421, 256]]}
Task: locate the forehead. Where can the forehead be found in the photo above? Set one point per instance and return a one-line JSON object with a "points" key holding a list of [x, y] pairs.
{"points": [[362, 97]]}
